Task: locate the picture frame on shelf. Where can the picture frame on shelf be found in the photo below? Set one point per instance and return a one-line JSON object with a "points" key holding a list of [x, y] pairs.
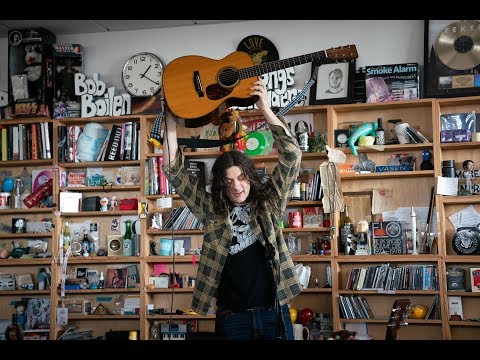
{"points": [[451, 72], [334, 82], [116, 277]]}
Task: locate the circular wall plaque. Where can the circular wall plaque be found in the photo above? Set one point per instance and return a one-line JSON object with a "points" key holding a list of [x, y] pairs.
{"points": [[259, 48]]}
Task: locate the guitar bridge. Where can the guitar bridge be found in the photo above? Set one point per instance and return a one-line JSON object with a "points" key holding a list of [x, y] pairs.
{"points": [[198, 84]]}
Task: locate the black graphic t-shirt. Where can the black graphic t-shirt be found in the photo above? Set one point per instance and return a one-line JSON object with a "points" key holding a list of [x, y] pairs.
{"points": [[246, 279]]}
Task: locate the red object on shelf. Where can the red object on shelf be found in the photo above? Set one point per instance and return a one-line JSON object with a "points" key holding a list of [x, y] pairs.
{"points": [[37, 196], [128, 204], [306, 316], [295, 219]]}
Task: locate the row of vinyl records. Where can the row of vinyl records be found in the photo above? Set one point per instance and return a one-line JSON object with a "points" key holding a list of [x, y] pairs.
{"points": [[356, 307], [26, 141], [180, 218], [94, 142], [390, 277]]}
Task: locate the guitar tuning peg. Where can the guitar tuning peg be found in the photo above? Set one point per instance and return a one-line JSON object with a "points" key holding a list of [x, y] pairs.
{"points": [[403, 323]]}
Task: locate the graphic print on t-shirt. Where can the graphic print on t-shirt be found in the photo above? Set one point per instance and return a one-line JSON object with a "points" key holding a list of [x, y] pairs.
{"points": [[242, 235]]}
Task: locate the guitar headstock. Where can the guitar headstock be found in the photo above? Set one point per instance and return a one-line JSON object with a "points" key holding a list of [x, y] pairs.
{"points": [[346, 52], [400, 312]]}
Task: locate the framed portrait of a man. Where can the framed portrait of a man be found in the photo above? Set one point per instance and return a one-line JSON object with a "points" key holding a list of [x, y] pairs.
{"points": [[334, 82]]}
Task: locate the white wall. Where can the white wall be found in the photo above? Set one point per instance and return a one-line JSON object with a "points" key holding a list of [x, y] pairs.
{"points": [[377, 41]]}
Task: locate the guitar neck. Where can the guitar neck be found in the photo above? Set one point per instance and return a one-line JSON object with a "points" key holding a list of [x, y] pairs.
{"points": [[345, 53]]}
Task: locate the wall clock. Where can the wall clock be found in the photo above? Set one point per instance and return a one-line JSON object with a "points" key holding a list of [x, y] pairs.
{"points": [[142, 74]]}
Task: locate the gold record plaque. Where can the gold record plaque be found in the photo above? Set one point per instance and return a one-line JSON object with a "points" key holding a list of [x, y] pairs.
{"points": [[452, 58], [458, 47]]}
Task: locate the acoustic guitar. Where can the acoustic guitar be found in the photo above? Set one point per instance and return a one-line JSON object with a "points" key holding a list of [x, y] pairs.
{"points": [[400, 311], [195, 87]]}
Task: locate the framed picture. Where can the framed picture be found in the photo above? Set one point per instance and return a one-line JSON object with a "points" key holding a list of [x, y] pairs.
{"points": [[451, 58], [116, 278], [334, 83]]}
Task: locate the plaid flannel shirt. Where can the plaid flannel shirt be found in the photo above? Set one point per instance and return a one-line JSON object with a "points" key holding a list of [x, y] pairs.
{"points": [[218, 228]]}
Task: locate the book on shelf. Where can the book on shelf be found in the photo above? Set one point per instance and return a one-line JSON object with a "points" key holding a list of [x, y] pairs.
{"points": [[433, 311], [77, 178], [127, 152], [455, 308], [387, 237], [475, 279], [73, 133], [112, 151], [197, 168], [130, 175]]}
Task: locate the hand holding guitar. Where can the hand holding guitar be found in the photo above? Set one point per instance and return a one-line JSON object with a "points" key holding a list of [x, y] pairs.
{"points": [[260, 89]]}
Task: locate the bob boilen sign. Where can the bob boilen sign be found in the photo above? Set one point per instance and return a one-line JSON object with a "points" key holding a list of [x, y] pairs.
{"points": [[97, 100]]}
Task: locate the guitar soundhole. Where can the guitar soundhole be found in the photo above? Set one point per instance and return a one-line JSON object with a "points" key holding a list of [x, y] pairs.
{"points": [[228, 77], [217, 92]]}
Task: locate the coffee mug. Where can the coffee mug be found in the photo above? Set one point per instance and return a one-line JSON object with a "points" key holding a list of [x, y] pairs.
{"points": [[401, 132], [300, 332]]}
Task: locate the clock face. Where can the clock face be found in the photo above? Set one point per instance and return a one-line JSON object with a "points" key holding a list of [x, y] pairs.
{"points": [[142, 74]]}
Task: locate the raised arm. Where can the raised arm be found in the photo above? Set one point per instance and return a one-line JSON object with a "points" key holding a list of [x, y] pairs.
{"points": [[289, 154], [170, 144], [259, 88]]}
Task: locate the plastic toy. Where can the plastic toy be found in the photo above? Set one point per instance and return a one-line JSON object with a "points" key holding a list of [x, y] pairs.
{"points": [[231, 128], [8, 184], [365, 129], [426, 163]]}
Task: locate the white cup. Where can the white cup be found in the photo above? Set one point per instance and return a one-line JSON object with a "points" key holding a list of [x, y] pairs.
{"points": [[476, 137], [300, 332], [401, 131]]}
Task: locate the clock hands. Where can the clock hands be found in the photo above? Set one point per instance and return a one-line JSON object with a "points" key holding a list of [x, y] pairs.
{"points": [[155, 82], [148, 68]]}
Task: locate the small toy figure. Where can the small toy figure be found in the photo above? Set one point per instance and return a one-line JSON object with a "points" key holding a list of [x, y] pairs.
{"points": [[20, 310], [113, 203], [104, 204], [231, 128], [469, 174], [363, 238], [426, 163], [33, 59], [364, 164], [153, 252], [367, 128]]}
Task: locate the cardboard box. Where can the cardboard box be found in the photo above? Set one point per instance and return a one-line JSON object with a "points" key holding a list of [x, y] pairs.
{"points": [[30, 72], [67, 61]]}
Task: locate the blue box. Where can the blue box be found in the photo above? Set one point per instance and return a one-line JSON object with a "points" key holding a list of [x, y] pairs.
{"points": [[388, 168], [72, 287]]}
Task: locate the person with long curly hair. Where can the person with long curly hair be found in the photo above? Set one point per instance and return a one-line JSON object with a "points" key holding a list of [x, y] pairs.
{"points": [[245, 265]]}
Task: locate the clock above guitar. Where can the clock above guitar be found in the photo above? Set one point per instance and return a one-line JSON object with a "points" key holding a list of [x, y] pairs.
{"points": [[142, 74], [195, 86]]}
